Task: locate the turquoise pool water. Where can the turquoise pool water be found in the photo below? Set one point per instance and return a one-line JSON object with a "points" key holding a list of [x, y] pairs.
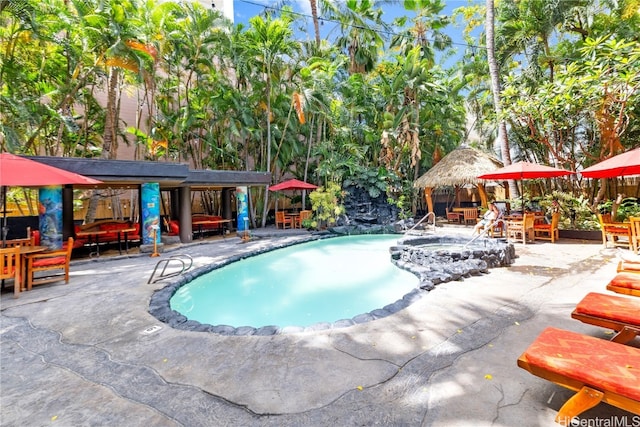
{"points": [[320, 281]]}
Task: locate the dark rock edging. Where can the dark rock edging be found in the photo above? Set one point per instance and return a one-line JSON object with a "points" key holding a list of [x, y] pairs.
{"points": [[432, 267]]}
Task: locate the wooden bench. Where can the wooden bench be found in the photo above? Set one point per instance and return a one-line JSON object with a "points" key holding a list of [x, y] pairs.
{"points": [[597, 370], [106, 232], [205, 223]]}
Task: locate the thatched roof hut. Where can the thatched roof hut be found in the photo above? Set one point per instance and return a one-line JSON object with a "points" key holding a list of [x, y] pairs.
{"points": [[460, 167]]}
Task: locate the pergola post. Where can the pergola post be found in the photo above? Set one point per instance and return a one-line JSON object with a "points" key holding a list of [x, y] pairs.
{"points": [[428, 198], [483, 195]]}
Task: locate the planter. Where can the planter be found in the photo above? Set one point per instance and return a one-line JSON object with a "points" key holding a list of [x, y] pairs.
{"points": [[581, 234]]}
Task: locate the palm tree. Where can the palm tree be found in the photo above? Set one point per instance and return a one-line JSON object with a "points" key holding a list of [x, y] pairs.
{"points": [[270, 40], [494, 73]]}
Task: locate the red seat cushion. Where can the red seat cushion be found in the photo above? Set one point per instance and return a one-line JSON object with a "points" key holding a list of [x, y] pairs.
{"points": [[46, 262], [620, 309], [626, 280], [600, 364]]}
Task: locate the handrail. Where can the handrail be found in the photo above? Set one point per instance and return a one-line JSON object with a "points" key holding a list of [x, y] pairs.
{"points": [[486, 230], [423, 218], [181, 258]]}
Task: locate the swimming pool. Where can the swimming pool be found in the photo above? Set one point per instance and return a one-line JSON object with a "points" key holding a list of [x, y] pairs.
{"points": [[320, 281]]}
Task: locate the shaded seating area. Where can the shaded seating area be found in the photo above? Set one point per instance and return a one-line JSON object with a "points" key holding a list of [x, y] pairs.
{"points": [[56, 262], [597, 370]]}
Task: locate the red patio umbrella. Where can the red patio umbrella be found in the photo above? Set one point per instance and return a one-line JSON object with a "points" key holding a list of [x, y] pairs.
{"points": [[292, 184], [16, 171], [525, 170], [621, 165]]}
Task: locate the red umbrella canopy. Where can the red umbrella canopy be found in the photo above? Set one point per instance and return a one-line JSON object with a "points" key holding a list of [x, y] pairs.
{"points": [[16, 171], [621, 165], [525, 170], [292, 184]]}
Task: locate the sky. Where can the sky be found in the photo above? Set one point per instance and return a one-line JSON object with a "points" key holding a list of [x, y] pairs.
{"points": [[245, 9]]}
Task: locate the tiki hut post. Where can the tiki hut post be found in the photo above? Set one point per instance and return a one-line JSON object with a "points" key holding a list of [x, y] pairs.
{"points": [[483, 195], [428, 198]]}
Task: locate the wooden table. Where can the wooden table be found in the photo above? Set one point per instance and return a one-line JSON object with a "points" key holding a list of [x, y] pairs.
{"points": [[24, 251], [225, 223], [295, 219], [91, 234], [126, 231]]}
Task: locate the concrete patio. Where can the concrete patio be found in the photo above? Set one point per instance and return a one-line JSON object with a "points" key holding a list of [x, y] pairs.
{"points": [[89, 353]]}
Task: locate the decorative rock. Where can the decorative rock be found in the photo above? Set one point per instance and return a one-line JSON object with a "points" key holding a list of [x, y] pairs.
{"points": [[267, 330], [245, 330]]}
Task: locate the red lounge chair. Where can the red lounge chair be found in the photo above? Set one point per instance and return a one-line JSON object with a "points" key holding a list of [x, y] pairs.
{"points": [[597, 370], [625, 282], [612, 312]]}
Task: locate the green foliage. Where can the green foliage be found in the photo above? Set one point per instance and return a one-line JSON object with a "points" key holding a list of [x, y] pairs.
{"points": [[628, 206], [375, 181], [326, 203], [575, 212]]}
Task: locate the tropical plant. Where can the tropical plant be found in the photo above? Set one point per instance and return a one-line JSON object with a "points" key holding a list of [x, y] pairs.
{"points": [[326, 203]]}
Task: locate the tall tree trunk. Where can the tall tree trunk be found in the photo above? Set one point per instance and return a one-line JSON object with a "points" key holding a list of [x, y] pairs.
{"points": [[494, 73], [265, 209], [316, 25]]}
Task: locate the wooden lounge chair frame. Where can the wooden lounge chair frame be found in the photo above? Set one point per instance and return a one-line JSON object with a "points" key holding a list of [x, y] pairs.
{"points": [[609, 316], [590, 394], [626, 282]]}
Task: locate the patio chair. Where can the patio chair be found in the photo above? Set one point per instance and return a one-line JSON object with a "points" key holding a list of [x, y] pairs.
{"points": [[24, 241], [282, 221], [613, 231], [10, 267], [470, 215], [49, 261], [611, 312], [453, 216], [306, 214], [597, 370], [635, 233], [522, 229], [548, 231], [625, 282]]}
